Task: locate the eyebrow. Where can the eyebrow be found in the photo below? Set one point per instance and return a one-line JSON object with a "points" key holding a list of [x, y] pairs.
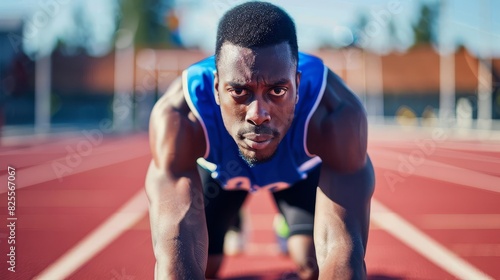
{"points": [[281, 81], [236, 84]]}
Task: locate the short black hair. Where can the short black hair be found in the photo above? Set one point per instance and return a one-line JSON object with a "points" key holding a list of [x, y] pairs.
{"points": [[256, 24]]}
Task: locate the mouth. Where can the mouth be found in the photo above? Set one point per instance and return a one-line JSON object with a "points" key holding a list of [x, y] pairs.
{"points": [[257, 141]]}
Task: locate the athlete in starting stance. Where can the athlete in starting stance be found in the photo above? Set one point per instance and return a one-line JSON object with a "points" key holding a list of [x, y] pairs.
{"points": [[259, 115]]}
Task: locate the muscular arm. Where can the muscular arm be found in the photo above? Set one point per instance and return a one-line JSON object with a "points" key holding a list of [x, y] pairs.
{"points": [[176, 207], [338, 134]]}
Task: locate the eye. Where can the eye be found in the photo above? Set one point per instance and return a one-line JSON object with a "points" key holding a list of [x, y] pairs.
{"points": [[237, 92], [278, 91]]}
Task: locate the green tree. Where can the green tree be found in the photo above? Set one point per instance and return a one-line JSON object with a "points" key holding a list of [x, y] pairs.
{"points": [[425, 29], [360, 29], [393, 33], [149, 21]]}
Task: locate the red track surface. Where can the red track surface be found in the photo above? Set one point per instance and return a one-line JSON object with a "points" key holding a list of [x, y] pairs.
{"points": [[55, 214]]}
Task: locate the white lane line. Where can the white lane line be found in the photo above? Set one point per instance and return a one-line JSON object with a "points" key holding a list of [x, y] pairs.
{"points": [[471, 156], [450, 153], [50, 171], [43, 147], [435, 170], [493, 167], [423, 244], [460, 146], [477, 250], [473, 147], [129, 214], [397, 133], [459, 221], [34, 139], [70, 149]]}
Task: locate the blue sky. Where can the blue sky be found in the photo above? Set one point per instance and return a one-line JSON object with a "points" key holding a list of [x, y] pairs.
{"points": [[47, 20], [466, 21], [473, 23]]}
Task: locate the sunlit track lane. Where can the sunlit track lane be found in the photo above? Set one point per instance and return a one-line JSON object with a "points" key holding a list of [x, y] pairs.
{"points": [[130, 256], [484, 163], [419, 199], [55, 215], [388, 258], [67, 151]]}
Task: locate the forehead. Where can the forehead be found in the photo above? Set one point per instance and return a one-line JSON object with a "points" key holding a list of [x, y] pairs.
{"points": [[250, 64]]}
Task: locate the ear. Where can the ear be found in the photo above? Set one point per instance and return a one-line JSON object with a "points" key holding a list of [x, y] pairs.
{"points": [[297, 83], [216, 88]]}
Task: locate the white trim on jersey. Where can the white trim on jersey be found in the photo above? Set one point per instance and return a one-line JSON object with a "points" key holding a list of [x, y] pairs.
{"points": [[190, 103], [308, 165], [212, 167], [315, 106]]}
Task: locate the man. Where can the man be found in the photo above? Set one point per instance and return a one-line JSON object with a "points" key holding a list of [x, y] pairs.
{"points": [[259, 116]]}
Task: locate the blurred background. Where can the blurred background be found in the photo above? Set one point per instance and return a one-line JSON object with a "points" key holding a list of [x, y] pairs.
{"points": [[77, 64], [78, 80]]}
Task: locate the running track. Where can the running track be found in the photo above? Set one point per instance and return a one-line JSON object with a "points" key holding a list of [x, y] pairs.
{"points": [[82, 213]]}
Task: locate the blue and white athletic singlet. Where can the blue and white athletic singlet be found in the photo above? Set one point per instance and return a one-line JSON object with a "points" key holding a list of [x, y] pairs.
{"points": [[291, 162]]}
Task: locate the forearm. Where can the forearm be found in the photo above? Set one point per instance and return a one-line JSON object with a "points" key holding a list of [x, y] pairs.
{"points": [[178, 227], [343, 261], [342, 222], [181, 249]]}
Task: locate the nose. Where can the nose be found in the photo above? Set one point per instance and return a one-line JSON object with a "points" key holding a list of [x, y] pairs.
{"points": [[257, 112]]}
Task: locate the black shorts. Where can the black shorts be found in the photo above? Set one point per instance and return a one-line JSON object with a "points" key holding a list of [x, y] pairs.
{"points": [[296, 203]]}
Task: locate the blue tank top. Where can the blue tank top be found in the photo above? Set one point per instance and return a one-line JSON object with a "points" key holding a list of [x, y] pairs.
{"points": [[291, 162]]}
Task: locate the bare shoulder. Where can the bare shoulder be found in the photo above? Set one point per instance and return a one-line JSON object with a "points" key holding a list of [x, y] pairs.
{"points": [[176, 136], [338, 128]]}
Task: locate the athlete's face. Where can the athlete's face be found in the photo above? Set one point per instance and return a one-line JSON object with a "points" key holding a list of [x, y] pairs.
{"points": [[257, 92]]}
